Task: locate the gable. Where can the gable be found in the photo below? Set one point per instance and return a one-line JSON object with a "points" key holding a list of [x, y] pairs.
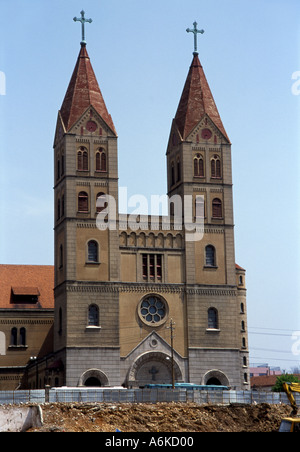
{"points": [[91, 123], [207, 132]]}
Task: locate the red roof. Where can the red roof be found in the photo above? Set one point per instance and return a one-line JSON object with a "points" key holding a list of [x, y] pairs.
{"points": [[263, 381], [83, 91], [35, 280], [196, 101]]}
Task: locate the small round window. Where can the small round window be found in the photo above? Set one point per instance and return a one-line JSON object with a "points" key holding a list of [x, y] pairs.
{"points": [[152, 310]]}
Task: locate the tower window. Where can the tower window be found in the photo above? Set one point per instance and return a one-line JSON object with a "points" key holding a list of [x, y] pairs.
{"points": [[62, 164], [217, 208], [198, 166], [61, 256], [212, 317], [93, 251], [103, 202], [101, 160], [215, 167], [83, 202], [63, 205], [210, 256], [58, 209], [172, 174], [199, 207], [178, 170], [82, 159], [93, 315], [58, 169]]}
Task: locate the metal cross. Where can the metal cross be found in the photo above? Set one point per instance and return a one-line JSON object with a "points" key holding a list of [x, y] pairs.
{"points": [[82, 20], [153, 371], [195, 31]]}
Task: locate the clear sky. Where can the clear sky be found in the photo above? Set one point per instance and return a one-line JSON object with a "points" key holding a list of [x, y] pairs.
{"points": [[141, 54]]}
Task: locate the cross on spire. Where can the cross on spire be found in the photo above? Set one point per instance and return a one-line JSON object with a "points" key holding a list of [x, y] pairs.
{"points": [[82, 20], [195, 31]]}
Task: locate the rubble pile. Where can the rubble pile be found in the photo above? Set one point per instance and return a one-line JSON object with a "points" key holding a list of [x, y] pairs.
{"points": [[160, 417]]}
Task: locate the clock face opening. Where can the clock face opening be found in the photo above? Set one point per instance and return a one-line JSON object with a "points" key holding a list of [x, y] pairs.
{"points": [[206, 134], [91, 126]]}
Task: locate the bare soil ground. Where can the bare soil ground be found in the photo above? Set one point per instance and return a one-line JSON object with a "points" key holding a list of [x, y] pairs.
{"points": [[161, 417]]}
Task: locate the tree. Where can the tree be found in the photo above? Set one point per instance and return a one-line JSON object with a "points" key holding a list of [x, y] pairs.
{"points": [[289, 378]]}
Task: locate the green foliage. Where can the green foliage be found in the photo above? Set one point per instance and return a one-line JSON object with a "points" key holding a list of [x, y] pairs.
{"points": [[289, 378]]}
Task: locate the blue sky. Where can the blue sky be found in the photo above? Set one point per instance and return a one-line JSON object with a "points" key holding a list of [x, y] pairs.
{"points": [[141, 54]]}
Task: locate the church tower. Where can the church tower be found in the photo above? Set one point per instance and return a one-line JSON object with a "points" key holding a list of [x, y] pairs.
{"points": [[199, 168], [86, 167]]}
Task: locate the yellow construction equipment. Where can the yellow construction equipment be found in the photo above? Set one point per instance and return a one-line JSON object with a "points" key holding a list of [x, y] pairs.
{"points": [[291, 424]]}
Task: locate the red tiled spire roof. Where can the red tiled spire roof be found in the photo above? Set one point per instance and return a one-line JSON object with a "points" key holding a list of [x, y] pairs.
{"points": [[83, 91], [196, 101]]}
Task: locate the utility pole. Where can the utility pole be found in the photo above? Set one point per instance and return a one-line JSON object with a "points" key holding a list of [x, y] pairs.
{"points": [[172, 328]]}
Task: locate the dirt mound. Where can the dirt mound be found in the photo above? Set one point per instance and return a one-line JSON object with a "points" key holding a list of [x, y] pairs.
{"points": [[161, 417]]}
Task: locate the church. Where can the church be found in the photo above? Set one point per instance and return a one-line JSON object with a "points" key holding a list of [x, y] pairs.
{"points": [[154, 303]]}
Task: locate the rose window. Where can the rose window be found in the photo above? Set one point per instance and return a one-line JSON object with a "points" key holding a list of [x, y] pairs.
{"points": [[152, 309]]}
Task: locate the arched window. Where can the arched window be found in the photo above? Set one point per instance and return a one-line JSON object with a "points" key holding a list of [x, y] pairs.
{"points": [[92, 253], [102, 205], [212, 319], [215, 164], [62, 164], [58, 209], [58, 169], [172, 174], [178, 170], [14, 336], [61, 256], [198, 166], [93, 315], [63, 205], [217, 208], [60, 321], [22, 336], [82, 159], [210, 256], [83, 202], [101, 160], [199, 207]]}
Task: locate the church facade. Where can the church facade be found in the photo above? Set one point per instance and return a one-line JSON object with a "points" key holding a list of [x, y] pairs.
{"points": [[150, 304]]}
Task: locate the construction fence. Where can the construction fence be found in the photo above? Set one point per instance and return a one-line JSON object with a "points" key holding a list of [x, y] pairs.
{"points": [[107, 395]]}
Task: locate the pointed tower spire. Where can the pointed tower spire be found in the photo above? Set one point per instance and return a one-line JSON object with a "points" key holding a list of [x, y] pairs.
{"points": [[196, 101], [83, 90]]}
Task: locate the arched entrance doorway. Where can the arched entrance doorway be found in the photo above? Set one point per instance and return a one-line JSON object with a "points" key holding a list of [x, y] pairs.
{"points": [[93, 377], [153, 368], [215, 377], [92, 381]]}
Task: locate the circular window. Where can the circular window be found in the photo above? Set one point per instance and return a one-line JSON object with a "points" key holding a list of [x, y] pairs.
{"points": [[152, 310]]}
